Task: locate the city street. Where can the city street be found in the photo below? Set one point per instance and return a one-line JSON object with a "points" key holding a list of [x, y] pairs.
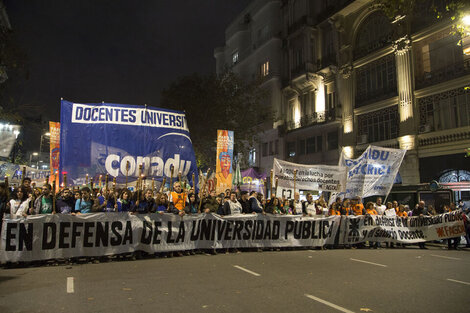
{"points": [[362, 280]]}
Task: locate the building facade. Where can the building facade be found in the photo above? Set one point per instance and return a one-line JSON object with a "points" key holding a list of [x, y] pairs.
{"points": [[346, 76]]}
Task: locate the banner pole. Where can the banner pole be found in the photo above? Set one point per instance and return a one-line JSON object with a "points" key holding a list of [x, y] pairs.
{"points": [[65, 180], [203, 187], [23, 176], [128, 165], [271, 183], [106, 180], [172, 169], [86, 179], [163, 184], [194, 185], [275, 188], [295, 178]]}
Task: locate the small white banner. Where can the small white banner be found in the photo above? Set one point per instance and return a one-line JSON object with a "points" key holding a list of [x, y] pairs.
{"points": [[309, 177], [373, 173]]}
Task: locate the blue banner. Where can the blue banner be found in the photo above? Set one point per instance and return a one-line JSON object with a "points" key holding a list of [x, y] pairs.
{"points": [[99, 139]]}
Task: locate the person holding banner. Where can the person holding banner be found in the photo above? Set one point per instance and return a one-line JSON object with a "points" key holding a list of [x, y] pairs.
{"points": [[124, 202], [27, 185], [65, 203], [178, 199], [44, 203], [421, 210], [193, 205], [245, 203], [3, 202], [85, 203], [232, 207], [19, 203], [297, 204], [146, 205], [308, 207], [357, 207]]}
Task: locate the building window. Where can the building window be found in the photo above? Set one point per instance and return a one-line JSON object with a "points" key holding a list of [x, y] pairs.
{"points": [[376, 81], [264, 69], [374, 33], [450, 109], [319, 143], [440, 58], [265, 149], [302, 147], [311, 148], [378, 125], [332, 139], [291, 149], [276, 147], [235, 57]]}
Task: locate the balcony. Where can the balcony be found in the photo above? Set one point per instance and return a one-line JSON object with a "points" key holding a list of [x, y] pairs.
{"points": [[375, 96], [314, 119], [443, 74]]}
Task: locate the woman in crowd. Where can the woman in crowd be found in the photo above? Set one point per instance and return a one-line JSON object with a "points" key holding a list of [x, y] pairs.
{"points": [[192, 207], [162, 203], [19, 203], [124, 202]]}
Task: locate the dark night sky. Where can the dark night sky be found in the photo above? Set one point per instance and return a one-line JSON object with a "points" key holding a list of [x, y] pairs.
{"points": [[115, 50]]}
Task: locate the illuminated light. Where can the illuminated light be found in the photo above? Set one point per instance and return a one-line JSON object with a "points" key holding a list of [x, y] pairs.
{"points": [[407, 142], [35, 153], [466, 19], [348, 151], [320, 97], [297, 113], [348, 125], [47, 134]]}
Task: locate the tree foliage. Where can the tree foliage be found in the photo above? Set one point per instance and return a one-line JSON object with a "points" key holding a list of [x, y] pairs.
{"points": [[212, 103]]}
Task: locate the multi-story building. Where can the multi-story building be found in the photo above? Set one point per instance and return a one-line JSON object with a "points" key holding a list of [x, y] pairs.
{"points": [[348, 77]]}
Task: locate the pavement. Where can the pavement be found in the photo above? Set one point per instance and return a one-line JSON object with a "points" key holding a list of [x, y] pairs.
{"points": [[341, 280]]}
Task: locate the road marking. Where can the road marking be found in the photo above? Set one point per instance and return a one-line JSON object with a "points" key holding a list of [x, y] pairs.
{"points": [[70, 285], [337, 307], [458, 281], [445, 257], [248, 271], [368, 262]]}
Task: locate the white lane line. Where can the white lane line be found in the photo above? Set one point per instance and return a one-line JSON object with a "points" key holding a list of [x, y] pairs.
{"points": [[248, 271], [70, 285], [334, 306], [458, 281], [368, 262], [445, 257]]}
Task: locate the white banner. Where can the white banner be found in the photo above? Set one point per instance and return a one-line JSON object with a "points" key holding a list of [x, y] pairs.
{"points": [[373, 173], [355, 229], [55, 236], [309, 177]]}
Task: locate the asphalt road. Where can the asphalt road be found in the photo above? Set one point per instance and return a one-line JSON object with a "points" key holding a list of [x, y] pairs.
{"points": [[384, 280]]}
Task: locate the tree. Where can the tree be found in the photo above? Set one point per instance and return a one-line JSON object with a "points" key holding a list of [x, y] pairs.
{"points": [[211, 103]]}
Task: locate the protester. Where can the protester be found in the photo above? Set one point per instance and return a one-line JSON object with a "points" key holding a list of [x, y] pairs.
{"points": [[297, 204], [146, 205], [178, 199], [245, 203], [346, 208], [192, 207], [85, 203], [162, 204], [19, 203], [255, 204], [124, 202], [420, 210], [27, 185], [308, 207], [210, 203], [379, 206], [44, 204], [65, 204], [357, 207], [232, 207], [3, 202]]}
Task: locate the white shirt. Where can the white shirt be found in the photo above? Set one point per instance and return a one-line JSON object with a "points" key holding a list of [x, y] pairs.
{"points": [[297, 207], [380, 208], [17, 208], [235, 207]]}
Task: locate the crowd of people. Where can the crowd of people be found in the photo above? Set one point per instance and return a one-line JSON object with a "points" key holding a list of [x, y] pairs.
{"points": [[27, 200]]}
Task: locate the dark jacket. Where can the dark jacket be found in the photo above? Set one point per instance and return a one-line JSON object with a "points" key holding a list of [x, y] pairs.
{"points": [[211, 204], [245, 206], [255, 205], [65, 206], [145, 206]]}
